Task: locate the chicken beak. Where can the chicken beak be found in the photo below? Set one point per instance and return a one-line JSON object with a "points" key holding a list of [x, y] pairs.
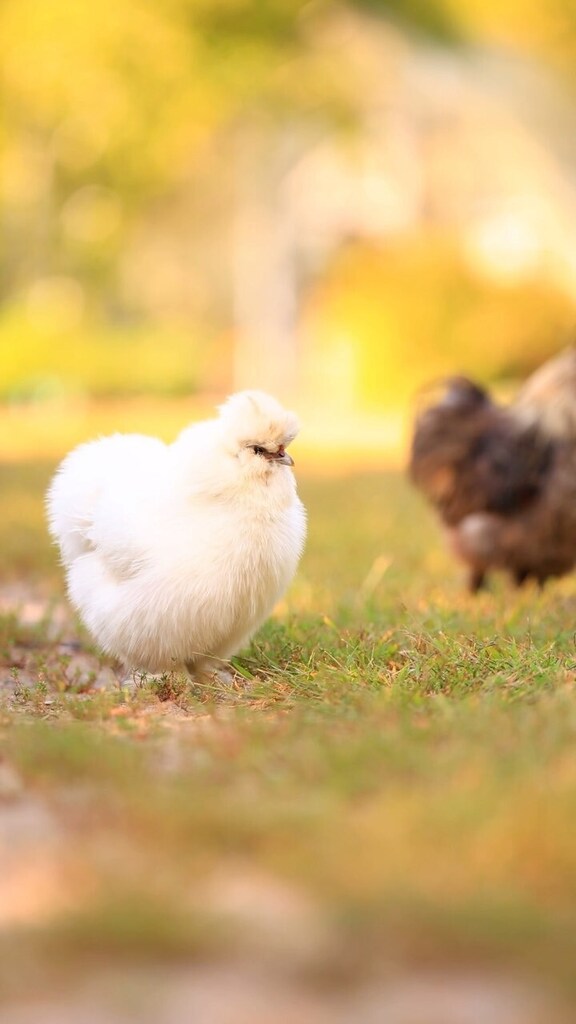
{"points": [[280, 456]]}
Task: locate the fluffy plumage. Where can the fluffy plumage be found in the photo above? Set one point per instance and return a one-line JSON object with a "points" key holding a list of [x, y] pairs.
{"points": [[175, 554], [503, 479]]}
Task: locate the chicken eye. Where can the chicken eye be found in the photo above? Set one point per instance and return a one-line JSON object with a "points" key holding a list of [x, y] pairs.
{"points": [[258, 450]]}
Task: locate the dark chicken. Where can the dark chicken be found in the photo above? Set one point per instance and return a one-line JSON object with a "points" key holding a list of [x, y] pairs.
{"points": [[503, 479]]}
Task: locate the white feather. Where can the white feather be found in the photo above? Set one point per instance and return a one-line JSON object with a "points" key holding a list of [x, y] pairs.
{"points": [[175, 554]]}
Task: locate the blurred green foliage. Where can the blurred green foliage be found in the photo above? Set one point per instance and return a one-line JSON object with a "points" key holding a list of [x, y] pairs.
{"points": [[39, 362], [120, 124], [435, 19]]}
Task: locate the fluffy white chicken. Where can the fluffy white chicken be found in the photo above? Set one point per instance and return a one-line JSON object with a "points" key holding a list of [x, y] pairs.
{"points": [[175, 554]]}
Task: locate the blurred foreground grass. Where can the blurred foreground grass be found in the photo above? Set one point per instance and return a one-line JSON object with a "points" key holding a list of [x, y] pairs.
{"points": [[388, 792]]}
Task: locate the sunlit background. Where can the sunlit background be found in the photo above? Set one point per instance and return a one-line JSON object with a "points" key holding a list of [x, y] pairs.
{"points": [[337, 202], [334, 201]]}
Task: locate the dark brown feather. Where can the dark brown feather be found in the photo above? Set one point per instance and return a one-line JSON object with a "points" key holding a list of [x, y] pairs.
{"points": [[503, 484]]}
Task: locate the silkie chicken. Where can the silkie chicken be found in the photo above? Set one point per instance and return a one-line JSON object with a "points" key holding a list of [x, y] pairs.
{"points": [[175, 554], [503, 478]]}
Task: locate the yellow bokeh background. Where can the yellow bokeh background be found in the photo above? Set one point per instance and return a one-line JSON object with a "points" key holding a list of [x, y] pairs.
{"points": [[337, 202]]}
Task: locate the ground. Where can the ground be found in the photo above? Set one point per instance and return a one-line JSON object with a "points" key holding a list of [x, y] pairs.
{"points": [[374, 823]]}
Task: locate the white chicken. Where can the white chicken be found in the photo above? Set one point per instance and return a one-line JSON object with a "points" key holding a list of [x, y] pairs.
{"points": [[175, 554]]}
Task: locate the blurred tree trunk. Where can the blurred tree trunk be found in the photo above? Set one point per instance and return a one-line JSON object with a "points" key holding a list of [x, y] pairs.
{"points": [[265, 262]]}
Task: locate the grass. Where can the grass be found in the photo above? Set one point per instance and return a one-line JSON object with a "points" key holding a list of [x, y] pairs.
{"points": [[389, 786]]}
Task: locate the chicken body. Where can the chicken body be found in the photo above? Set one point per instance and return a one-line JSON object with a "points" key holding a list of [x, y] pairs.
{"points": [[503, 480], [175, 554]]}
